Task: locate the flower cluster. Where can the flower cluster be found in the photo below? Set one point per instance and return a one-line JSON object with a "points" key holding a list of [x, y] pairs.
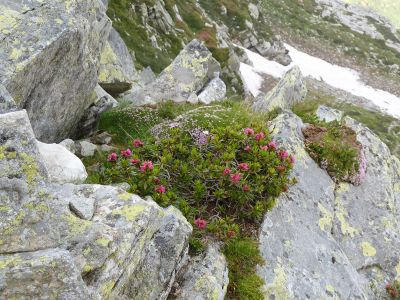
{"points": [[393, 289], [225, 172]]}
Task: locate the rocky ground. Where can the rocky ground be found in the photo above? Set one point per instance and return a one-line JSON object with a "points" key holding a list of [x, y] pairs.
{"points": [[65, 65]]}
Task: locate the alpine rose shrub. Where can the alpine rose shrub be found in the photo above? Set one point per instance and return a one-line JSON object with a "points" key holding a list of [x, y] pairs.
{"points": [[230, 175], [393, 289]]}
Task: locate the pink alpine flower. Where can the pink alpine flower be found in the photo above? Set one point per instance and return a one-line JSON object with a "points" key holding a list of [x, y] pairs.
{"points": [[112, 157], [281, 168], [135, 161], [160, 189], [231, 233], [246, 188], [200, 223], [249, 131], [147, 165], [272, 145], [157, 180], [283, 154], [292, 159], [235, 178], [227, 171], [264, 148], [126, 153], [137, 143], [243, 167], [247, 148], [260, 136]]}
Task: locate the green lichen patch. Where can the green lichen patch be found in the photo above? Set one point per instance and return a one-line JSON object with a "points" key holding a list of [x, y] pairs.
{"points": [[130, 212]]}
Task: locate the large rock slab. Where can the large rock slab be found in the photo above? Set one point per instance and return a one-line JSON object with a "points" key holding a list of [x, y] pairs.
{"points": [[302, 260], [290, 90], [367, 222], [204, 278], [49, 60], [100, 242], [45, 274], [333, 241], [117, 72], [188, 73]]}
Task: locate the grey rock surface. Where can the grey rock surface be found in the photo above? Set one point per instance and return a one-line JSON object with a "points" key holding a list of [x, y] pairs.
{"points": [[147, 76], [302, 258], [214, 91], [327, 240], [43, 274], [367, 222], [83, 208], [204, 278], [328, 114], [290, 90], [69, 144], [6, 101], [117, 72], [19, 154], [85, 148], [49, 60], [67, 241], [188, 73]]}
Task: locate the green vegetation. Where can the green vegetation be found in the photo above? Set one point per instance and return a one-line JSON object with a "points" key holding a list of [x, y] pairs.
{"points": [[236, 17], [128, 121], [301, 18], [217, 164], [393, 290], [243, 256], [128, 23], [335, 148], [387, 8], [384, 126]]}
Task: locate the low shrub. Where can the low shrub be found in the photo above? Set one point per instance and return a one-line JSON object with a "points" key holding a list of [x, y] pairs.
{"points": [[217, 164], [209, 175], [223, 180], [393, 289]]}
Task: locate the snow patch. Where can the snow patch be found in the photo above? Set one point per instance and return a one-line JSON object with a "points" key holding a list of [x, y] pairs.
{"points": [[339, 77]]}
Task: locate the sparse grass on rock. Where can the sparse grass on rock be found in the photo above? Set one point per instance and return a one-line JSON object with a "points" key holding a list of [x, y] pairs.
{"points": [[335, 148], [384, 126]]}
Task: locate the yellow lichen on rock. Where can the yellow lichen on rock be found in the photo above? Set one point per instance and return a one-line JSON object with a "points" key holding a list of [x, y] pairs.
{"points": [[103, 242], [130, 212], [277, 289], [325, 223], [15, 54], [342, 214], [8, 19], [367, 249]]}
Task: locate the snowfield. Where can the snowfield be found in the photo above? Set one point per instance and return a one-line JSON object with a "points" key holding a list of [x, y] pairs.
{"points": [[339, 77]]}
